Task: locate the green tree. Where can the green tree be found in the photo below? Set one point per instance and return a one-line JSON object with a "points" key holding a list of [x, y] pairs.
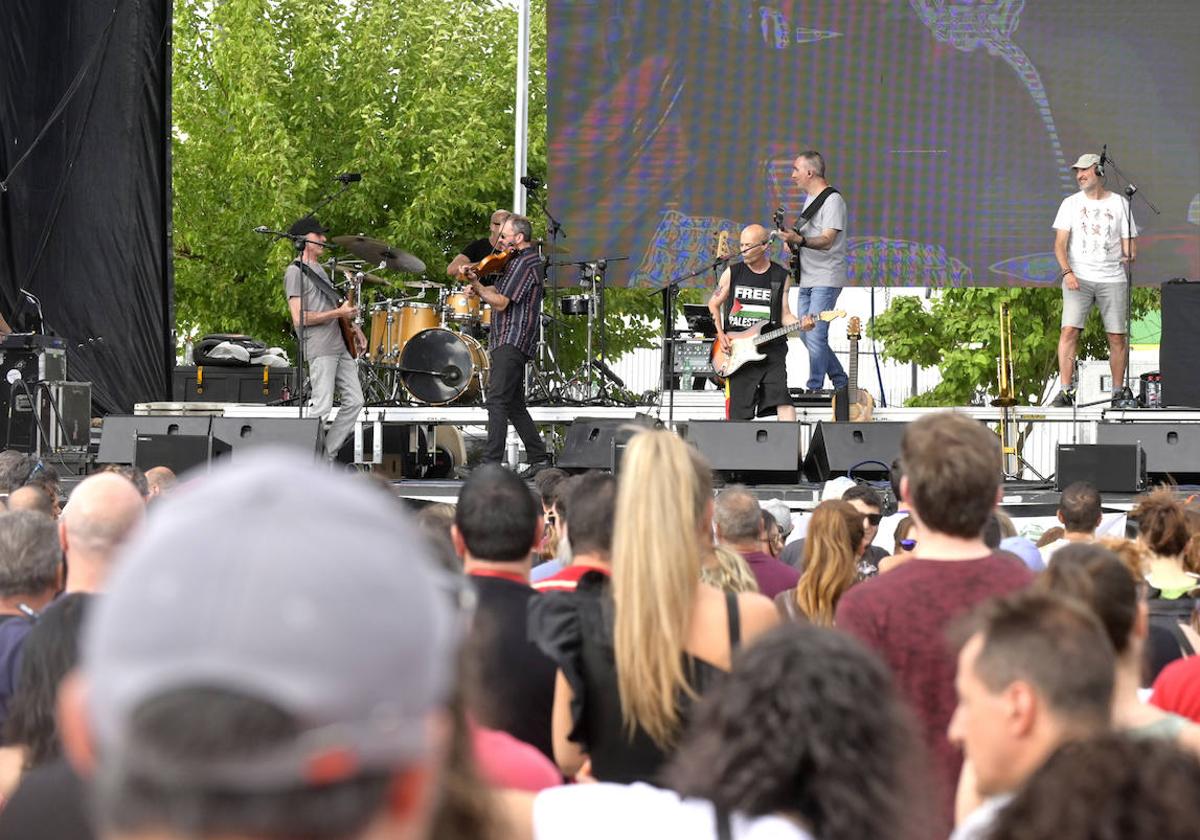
{"points": [[959, 332], [272, 98]]}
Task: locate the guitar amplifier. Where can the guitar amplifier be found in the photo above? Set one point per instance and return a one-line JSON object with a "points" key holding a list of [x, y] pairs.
{"points": [[693, 355]]}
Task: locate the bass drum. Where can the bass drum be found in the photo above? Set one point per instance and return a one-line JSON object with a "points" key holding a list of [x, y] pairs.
{"points": [[439, 367]]}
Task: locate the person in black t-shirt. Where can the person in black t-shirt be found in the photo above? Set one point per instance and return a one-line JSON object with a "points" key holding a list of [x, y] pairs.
{"points": [[478, 249], [754, 290]]}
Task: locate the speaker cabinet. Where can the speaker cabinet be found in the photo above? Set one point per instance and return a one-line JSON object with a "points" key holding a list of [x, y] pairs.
{"points": [[592, 443], [179, 452], [1111, 467], [1180, 346], [1172, 449], [749, 450], [119, 433], [866, 449]]}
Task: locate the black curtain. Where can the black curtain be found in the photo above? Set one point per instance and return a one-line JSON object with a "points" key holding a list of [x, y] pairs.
{"points": [[85, 206]]}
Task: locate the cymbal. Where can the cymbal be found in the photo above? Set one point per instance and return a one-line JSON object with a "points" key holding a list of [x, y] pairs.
{"points": [[367, 279], [380, 253], [550, 248], [419, 284]]}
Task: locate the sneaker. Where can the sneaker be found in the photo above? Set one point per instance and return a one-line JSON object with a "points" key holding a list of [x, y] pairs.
{"points": [[1065, 399], [1118, 398], [529, 471]]}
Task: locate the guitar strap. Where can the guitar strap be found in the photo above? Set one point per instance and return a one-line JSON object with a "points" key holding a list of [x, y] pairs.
{"points": [[317, 280], [804, 218]]}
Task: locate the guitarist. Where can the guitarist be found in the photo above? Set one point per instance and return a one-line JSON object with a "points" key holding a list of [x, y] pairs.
{"points": [[330, 365], [754, 290], [821, 241]]}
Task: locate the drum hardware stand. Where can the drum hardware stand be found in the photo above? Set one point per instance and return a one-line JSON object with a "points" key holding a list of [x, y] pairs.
{"points": [[554, 229]]}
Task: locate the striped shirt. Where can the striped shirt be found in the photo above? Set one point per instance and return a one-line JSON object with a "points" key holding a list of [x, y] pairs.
{"points": [[522, 282]]}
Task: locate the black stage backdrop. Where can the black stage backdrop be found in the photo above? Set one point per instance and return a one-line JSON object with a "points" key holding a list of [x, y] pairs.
{"points": [[84, 222], [949, 127]]}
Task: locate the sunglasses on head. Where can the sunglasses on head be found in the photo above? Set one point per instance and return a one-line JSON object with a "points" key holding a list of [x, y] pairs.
{"points": [[908, 545]]}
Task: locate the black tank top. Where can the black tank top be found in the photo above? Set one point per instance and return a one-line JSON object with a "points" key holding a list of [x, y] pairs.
{"points": [[755, 297]]}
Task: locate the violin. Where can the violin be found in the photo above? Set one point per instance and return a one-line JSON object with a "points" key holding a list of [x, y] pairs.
{"points": [[491, 264]]}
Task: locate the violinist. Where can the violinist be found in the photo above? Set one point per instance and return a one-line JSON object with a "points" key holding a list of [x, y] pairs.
{"points": [[516, 301], [480, 248]]}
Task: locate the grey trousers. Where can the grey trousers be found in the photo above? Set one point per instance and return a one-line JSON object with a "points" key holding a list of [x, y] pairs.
{"points": [[329, 374]]}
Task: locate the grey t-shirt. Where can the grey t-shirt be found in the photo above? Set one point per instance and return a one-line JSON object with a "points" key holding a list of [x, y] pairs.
{"points": [[825, 268], [322, 339]]}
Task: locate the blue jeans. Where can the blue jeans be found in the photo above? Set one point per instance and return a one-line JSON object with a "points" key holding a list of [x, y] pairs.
{"points": [[821, 360]]}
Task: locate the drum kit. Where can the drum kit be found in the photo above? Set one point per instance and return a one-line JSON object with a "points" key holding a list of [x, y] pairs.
{"points": [[418, 350]]}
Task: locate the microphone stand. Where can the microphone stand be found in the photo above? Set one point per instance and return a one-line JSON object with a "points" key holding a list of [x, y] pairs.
{"points": [[555, 229], [1127, 399]]}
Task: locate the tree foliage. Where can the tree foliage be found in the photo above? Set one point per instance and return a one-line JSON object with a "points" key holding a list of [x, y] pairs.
{"points": [[959, 332], [272, 98]]}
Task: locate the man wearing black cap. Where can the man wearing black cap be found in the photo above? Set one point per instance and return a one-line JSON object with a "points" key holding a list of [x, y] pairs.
{"points": [[330, 365]]}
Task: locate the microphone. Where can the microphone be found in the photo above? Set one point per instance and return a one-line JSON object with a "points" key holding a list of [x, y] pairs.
{"points": [[349, 177], [608, 373], [1103, 155], [262, 229], [532, 182]]}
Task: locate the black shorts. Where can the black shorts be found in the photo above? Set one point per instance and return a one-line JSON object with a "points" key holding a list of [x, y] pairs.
{"points": [[758, 388]]}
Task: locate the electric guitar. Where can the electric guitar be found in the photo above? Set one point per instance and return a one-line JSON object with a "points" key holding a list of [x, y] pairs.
{"points": [[743, 347], [860, 403], [794, 250], [346, 325]]}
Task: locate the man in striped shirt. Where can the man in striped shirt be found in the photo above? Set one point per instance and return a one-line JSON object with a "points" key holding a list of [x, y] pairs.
{"points": [[516, 301]]}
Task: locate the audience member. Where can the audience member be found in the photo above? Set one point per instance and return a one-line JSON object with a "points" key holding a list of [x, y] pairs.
{"points": [[904, 545], [1175, 553], [772, 539], [1177, 688], [590, 502], [728, 571], [199, 713], [1017, 700], [1107, 787], [551, 551], [1080, 515], [782, 749], [31, 576], [497, 525], [951, 484], [159, 481], [1098, 579], [136, 477], [435, 522], [783, 517], [631, 667], [1049, 536], [869, 503], [50, 652], [738, 520], [834, 543], [33, 497], [103, 512]]}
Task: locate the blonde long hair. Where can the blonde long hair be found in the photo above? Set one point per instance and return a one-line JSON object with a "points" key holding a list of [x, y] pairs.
{"points": [[663, 497], [830, 559]]}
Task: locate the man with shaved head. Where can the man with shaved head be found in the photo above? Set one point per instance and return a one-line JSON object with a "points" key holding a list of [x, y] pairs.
{"points": [[748, 293], [159, 480], [100, 515]]}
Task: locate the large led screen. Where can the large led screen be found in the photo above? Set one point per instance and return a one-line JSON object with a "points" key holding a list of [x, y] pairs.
{"points": [[948, 127]]}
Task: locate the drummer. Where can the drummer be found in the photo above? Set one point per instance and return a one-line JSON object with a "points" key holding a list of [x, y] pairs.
{"points": [[478, 249], [516, 301]]}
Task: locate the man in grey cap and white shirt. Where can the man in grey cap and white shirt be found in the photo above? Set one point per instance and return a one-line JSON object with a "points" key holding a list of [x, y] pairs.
{"points": [[272, 659], [1094, 236]]}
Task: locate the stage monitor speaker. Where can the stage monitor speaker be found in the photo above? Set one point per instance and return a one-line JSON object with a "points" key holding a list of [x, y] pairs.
{"points": [[748, 451], [119, 433], [595, 443], [866, 449], [1180, 345], [179, 452], [1172, 449], [1111, 467]]}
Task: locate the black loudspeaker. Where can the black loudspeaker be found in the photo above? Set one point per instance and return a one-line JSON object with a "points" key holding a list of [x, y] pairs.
{"points": [[592, 443], [749, 450], [179, 452], [118, 435], [1172, 449], [1111, 467], [867, 449], [1180, 346]]}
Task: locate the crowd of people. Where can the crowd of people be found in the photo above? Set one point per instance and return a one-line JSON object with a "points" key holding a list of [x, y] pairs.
{"points": [[275, 650]]}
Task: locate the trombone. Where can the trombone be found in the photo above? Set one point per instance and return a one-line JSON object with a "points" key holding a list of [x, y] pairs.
{"points": [[1006, 399]]}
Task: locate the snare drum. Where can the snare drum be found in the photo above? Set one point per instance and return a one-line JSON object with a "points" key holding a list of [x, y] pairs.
{"points": [[439, 366], [462, 308], [575, 304]]}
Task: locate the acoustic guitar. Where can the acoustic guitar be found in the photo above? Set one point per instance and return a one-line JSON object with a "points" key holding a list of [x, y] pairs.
{"points": [[860, 403]]}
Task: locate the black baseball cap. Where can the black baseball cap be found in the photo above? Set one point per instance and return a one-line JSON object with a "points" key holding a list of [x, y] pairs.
{"points": [[307, 225]]}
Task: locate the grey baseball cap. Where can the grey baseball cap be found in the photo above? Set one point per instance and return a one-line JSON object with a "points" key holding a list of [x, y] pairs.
{"points": [[782, 513], [277, 580]]}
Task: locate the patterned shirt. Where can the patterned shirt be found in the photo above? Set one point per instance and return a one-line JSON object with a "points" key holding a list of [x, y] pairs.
{"points": [[522, 282]]}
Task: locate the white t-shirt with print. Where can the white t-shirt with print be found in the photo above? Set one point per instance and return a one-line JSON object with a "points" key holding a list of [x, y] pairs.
{"points": [[1097, 228], [640, 812]]}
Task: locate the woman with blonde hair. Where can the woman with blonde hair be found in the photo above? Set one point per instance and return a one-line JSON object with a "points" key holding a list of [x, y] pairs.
{"points": [[831, 550], [634, 656], [728, 571]]}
